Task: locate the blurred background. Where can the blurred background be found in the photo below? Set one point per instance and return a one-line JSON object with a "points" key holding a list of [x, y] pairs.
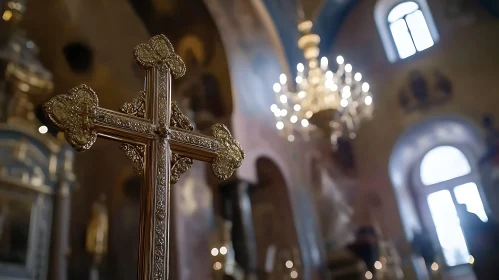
{"points": [[369, 128]]}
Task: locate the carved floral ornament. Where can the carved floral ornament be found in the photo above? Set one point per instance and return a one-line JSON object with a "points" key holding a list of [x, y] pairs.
{"points": [[152, 127], [79, 116]]}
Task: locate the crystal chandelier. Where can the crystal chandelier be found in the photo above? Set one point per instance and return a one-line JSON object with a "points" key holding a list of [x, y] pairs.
{"points": [[329, 103]]}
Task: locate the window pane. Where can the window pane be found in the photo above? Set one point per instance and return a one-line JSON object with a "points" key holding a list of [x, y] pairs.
{"points": [[402, 38], [443, 163], [450, 235], [468, 194], [419, 30], [401, 10]]}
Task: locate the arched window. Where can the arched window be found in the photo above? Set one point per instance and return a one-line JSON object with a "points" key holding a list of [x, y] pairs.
{"points": [[446, 179], [405, 27]]}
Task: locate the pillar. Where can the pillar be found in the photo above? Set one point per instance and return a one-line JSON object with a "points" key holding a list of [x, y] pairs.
{"points": [[236, 207]]}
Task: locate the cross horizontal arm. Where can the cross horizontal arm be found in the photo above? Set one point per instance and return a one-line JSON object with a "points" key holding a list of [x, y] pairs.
{"points": [[81, 119], [123, 127], [221, 150]]}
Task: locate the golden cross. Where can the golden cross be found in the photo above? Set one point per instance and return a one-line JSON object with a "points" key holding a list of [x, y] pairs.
{"points": [[156, 136]]}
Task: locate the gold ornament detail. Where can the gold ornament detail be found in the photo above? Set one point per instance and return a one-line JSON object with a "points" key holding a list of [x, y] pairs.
{"points": [[180, 164], [137, 107], [230, 155], [77, 114], [74, 114], [158, 52], [136, 154], [178, 119]]}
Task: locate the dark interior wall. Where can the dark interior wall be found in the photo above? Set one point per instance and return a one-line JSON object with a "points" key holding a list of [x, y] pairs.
{"points": [[272, 213]]}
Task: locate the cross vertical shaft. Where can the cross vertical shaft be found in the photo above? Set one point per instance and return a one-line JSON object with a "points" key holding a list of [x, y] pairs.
{"points": [[158, 139]]}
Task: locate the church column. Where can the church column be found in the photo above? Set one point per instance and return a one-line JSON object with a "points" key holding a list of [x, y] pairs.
{"points": [[236, 207], [60, 228]]}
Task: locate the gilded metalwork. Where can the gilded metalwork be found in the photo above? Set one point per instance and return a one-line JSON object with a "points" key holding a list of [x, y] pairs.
{"points": [[137, 107], [178, 119], [180, 165], [74, 114], [159, 52], [156, 136], [229, 155], [136, 154]]}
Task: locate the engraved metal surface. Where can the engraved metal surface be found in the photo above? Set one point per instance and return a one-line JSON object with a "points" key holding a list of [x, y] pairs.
{"points": [[74, 114], [179, 164], [136, 154], [230, 155], [150, 127], [158, 52], [137, 107]]}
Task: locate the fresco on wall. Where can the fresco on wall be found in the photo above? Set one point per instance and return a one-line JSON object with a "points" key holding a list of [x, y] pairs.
{"points": [[424, 89]]}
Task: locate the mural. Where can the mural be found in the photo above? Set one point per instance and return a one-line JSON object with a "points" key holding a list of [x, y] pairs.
{"points": [[425, 89]]}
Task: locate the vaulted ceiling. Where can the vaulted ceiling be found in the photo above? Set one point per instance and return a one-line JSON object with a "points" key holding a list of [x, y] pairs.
{"points": [[327, 16]]}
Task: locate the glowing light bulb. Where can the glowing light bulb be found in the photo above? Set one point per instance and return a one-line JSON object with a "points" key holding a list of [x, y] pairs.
{"points": [[324, 62], [302, 94], [289, 264], [352, 136], [348, 68], [284, 112], [7, 15], [279, 125], [304, 122], [283, 79], [365, 87], [368, 275], [329, 83], [344, 103], [223, 250], [293, 119], [274, 107], [368, 100], [214, 252], [291, 138], [377, 264], [434, 266], [293, 274], [277, 87], [340, 59], [297, 107], [309, 114], [329, 75], [43, 129], [299, 80], [345, 93], [217, 266], [334, 87], [283, 98], [471, 260], [277, 113], [357, 77], [300, 67]]}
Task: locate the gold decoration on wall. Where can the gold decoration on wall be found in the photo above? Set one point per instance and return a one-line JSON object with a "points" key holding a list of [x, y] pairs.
{"points": [[158, 138]]}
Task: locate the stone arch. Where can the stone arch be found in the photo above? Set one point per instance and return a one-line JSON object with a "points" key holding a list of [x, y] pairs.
{"points": [[414, 143], [273, 215]]}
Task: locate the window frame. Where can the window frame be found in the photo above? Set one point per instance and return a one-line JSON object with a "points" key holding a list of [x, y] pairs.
{"points": [[381, 11], [421, 191], [388, 23]]}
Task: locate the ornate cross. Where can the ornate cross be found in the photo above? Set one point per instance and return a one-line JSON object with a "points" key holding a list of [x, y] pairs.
{"points": [[156, 136]]}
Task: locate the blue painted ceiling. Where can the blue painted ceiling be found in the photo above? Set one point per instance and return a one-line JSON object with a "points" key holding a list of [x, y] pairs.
{"points": [[326, 25]]}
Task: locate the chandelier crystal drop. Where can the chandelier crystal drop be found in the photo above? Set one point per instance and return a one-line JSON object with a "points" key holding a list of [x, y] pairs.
{"points": [[331, 103]]}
